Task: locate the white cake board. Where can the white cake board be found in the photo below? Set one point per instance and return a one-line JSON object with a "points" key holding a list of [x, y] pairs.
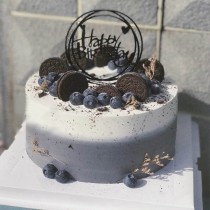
{"points": [[175, 187]]}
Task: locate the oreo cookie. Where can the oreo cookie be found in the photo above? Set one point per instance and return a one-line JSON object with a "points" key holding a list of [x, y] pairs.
{"points": [[159, 71], [133, 82], [55, 64], [104, 55], [90, 63], [152, 68], [109, 89], [78, 59], [101, 59], [64, 58], [71, 82], [139, 67]]}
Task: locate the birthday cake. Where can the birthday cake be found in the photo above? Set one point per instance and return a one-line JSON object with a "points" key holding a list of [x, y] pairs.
{"points": [[99, 113]]}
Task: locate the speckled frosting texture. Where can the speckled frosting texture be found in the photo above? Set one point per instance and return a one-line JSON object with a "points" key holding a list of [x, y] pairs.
{"points": [[99, 146]]}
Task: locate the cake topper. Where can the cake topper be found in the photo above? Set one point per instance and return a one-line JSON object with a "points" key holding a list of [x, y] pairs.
{"points": [[84, 44]]}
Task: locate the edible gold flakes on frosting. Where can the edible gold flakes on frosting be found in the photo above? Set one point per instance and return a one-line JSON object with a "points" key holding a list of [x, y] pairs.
{"points": [[148, 160], [38, 149], [133, 102], [150, 70]]}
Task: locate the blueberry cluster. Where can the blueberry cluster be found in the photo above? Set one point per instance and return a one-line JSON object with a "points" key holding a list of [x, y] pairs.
{"points": [[49, 82], [91, 99], [51, 172]]}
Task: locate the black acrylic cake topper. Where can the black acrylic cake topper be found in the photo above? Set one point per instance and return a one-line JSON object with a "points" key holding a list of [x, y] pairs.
{"points": [[79, 45]]}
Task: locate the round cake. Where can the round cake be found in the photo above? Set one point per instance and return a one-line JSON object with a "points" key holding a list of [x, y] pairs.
{"points": [[99, 113], [101, 145]]}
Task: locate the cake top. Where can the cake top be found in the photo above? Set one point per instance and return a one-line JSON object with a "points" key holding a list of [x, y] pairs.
{"points": [[100, 71], [153, 101]]}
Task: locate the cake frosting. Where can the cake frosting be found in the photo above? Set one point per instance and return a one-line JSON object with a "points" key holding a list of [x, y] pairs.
{"points": [[95, 145], [99, 113]]}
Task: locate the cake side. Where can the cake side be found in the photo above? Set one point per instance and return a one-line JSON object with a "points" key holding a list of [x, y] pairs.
{"points": [[99, 146]]}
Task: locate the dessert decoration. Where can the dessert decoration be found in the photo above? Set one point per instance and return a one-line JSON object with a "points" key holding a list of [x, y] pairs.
{"points": [[130, 180], [120, 108], [76, 98], [133, 82], [104, 55], [90, 102], [116, 102], [56, 65], [104, 48], [49, 171], [62, 176], [109, 89], [90, 91], [149, 163], [152, 68], [80, 57], [63, 57], [104, 98], [69, 83]]}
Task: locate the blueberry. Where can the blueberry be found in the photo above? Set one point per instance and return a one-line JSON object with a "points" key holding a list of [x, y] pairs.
{"points": [[53, 89], [103, 98], [49, 171], [116, 102], [111, 65], [146, 79], [76, 98], [90, 91], [155, 88], [130, 180], [90, 102], [52, 76], [127, 96], [46, 84], [122, 61], [41, 80], [62, 176], [130, 68]]}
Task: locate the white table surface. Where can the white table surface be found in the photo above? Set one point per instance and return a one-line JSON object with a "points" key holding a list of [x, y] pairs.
{"points": [[175, 187]]}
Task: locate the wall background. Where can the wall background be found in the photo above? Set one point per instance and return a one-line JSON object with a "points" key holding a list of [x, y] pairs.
{"points": [[178, 32]]}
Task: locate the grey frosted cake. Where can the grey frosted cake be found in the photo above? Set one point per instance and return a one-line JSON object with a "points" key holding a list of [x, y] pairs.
{"points": [[118, 125]]}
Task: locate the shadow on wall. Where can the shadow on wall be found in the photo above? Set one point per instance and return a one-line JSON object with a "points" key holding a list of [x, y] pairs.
{"points": [[190, 104]]}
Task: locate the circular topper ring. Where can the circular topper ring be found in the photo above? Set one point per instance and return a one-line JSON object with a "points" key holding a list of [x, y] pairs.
{"points": [[84, 43]]}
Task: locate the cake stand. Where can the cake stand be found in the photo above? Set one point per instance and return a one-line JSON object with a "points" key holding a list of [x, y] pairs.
{"points": [[175, 187]]}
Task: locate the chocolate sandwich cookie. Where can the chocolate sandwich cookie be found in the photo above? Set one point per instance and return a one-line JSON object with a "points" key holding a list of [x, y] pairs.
{"points": [[55, 64], [109, 89], [133, 82], [104, 55], [152, 68], [71, 82], [64, 58], [159, 71], [101, 59], [78, 59], [139, 66], [111, 52]]}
